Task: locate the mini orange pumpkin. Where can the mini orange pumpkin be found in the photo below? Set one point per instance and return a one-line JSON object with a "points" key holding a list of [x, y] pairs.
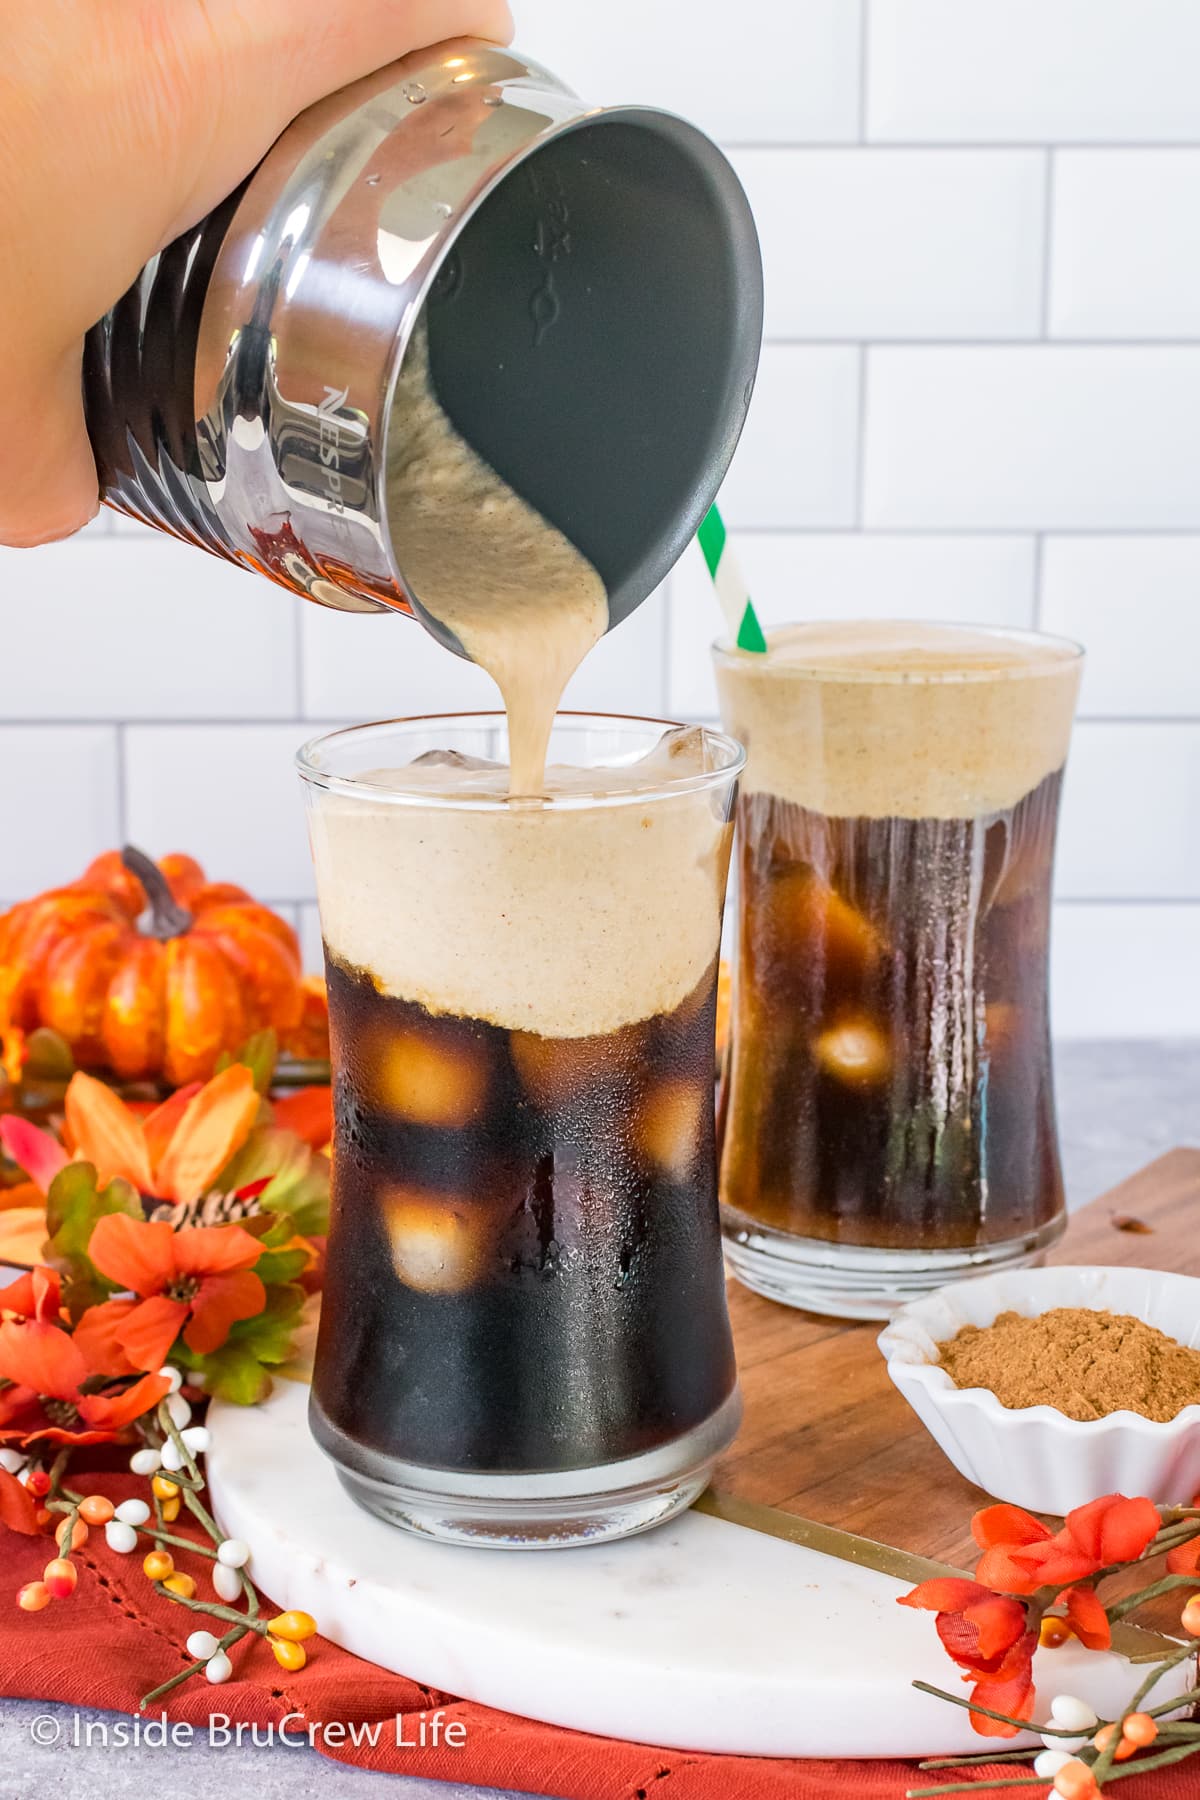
{"points": [[149, 969]]}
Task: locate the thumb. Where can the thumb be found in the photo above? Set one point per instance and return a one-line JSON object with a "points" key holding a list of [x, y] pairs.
{"points": [[260, 66], [48, 485]]}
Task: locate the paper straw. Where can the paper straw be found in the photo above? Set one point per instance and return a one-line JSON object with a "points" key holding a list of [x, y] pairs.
{"points": [[730, 584]]}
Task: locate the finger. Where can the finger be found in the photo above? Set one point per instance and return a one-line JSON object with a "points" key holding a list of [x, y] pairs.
{"points": [[48, 483], [276, 57]]}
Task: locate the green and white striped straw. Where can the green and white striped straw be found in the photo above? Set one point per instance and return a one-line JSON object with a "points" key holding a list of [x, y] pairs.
{"points": [[730, 584]]}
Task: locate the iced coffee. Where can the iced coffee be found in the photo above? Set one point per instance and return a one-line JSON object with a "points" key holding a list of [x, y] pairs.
{"points": [[524, 1337], [887, 1108]]}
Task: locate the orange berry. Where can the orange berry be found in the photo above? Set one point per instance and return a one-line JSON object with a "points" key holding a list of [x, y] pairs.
{"points": [[288, 1655], [164, 1489], [1075, 1781], [42, 1517], [1140, 1729], [33, 1596], [38, 1483], [60, 1577], [294, 1626], [1054, 1633], [96, 1509], [158, 1565], [1190, 1616], [170, 1511], [1104, 1737], [79, 1534], [180, 1584]]}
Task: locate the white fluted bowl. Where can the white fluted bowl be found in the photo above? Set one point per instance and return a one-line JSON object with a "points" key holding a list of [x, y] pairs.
{"points": [[1035, 1456]]}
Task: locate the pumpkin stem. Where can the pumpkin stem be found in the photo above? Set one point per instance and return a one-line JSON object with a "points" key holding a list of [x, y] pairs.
{"points": [[166, 918]]}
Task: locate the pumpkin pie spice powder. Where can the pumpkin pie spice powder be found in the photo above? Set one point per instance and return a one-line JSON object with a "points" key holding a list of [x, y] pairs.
{"points": [[1085, 1364]]}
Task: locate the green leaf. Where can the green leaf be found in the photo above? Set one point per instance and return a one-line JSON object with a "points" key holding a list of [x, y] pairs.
{"points": [[48, 1056], [275, 1266], [260, 1053], [238, 1370], [299, 1182], [74, 1204]]}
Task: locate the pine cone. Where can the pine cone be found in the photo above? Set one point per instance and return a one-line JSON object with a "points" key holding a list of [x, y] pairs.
{"points": [[209, 1209]]}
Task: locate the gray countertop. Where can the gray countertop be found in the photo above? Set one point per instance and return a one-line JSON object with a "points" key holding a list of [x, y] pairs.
{"points": [[1120, 1105]]}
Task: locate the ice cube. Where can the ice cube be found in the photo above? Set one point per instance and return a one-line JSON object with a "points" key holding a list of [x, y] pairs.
{"points": [[554, 1071], [427, 1081], [809, 919], [684, 750], [451, 759], [668, 1125], [855, 1052], [440, 1245]]}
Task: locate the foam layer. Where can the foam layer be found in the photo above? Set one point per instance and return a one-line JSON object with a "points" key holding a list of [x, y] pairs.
{"points": [[565, 920], [900, 720], [522, 601]]}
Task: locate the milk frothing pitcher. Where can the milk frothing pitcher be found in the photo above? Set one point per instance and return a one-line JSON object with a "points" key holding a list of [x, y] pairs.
{"points": [[592, 287]]}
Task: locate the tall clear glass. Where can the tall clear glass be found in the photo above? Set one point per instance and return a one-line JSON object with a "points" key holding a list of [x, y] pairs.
{"points": [[887, 1104], [524, 1339]]}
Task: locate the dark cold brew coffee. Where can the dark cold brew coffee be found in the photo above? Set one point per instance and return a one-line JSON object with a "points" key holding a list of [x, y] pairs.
{"points": [[887, 1106]]}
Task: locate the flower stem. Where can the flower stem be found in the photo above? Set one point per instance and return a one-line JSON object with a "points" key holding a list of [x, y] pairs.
{"points": [[1164, 1586], [164, 1687], [985, 1712], [215, 1610]]}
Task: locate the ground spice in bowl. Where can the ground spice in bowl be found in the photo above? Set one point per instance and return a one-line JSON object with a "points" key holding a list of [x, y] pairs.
{"points": [[1085, 1364]]}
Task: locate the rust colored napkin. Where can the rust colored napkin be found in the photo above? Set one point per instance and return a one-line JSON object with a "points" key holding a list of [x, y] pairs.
{"points": [[116, 1638]]}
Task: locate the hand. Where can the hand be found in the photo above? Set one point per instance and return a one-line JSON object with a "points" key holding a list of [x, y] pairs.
{"points": [[122, 122]]}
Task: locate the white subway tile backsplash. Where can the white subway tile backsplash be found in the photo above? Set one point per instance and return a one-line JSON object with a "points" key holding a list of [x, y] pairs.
{"points": [[109, 628], [797, 462], [1125, 971], [372, 666], [382, 666], [762, 72], [1033, 438], [58, 800], [978, 580], [227, 794], [1134, 603], [985, 71], [1130, 805], [626, 672], [899, 243], [1126, 247]]}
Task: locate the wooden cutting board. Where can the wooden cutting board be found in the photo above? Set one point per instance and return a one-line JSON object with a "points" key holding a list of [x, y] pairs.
{"points": [[826, 1434]]}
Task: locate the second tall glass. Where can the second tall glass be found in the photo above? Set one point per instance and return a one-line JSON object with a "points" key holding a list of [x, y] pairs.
{"points": [[887, 1106], [524, 1340]]}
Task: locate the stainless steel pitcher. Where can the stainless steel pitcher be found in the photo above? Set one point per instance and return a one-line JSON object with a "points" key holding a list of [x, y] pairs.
{"points": [[592, 287]]}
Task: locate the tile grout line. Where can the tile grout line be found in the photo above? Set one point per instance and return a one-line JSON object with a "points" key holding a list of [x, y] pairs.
{"points": [[298, 660], [121, 783], [864, 363], [665, 683], [864, 35]]}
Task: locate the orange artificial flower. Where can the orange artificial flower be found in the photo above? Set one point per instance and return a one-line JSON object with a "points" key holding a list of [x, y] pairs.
{"points": [[1021, 1555], [46, 1366], [175, 1153], [988, 1635], [1087, 1617], [198, 1281]]}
